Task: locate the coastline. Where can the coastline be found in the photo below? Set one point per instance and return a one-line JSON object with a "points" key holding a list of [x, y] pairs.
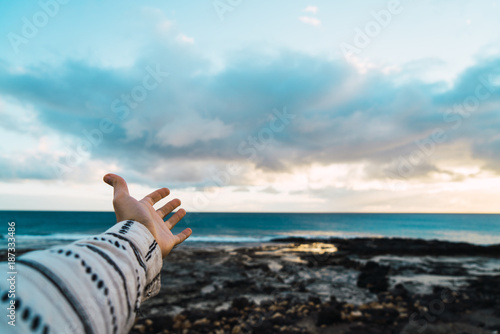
{"points": [[295, 285], [363, 285]]}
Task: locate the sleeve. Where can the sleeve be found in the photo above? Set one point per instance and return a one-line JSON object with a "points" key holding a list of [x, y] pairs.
{"points": [[94, 285]]}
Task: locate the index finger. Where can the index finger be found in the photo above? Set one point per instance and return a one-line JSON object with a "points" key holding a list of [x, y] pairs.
{"points": [[156, 196]]}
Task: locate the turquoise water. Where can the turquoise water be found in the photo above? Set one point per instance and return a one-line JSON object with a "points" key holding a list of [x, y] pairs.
{"points": [[40, 229]]}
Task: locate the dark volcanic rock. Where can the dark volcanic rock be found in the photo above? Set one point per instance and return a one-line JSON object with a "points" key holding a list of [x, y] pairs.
{"points": [[265, 327], [400, 291], [300, 297], [484, 291], [374, 277], [330, 312], [315, 299], [402, 246], [384, 316], [328, 315], [240, 303], [162, 322]]}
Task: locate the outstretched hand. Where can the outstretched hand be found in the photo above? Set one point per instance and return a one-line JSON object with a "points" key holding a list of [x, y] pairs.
{"points": [[128, 208]]}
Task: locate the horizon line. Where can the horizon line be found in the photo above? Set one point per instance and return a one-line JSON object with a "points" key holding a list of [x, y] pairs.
{"points": [[278, 212]]}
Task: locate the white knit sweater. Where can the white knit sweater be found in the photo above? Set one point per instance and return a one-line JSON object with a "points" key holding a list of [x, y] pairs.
{"points": [[94, 285]]}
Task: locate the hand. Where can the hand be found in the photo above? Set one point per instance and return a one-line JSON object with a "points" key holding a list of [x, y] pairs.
{"points": [[128, 208]]}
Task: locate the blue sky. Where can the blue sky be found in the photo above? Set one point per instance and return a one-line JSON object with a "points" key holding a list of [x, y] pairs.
{"points": [[369, 106]]}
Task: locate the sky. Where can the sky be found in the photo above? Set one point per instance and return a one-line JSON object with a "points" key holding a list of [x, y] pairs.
{"points": [[252, 106]]}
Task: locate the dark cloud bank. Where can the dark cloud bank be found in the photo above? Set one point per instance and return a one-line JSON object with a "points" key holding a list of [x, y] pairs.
{"points": [[200, 116]]}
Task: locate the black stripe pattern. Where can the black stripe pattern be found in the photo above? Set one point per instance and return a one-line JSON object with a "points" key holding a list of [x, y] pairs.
{"points": [[35, 320], [59, 285], [151, 249], [124, 229], [134, 248], [115, 267], [93, 276], [137, 301]]}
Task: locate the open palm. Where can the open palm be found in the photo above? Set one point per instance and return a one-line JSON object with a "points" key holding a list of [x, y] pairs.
{"points": [[128, 208]]}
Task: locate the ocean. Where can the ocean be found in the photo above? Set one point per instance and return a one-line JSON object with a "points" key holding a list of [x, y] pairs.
{"points": [[41, 229]]}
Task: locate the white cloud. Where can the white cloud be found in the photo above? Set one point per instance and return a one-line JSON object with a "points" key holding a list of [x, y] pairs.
{"points": [[185, 39], [164, 26], [311, 9], [310, 20], [363, 65], [391, 69]]}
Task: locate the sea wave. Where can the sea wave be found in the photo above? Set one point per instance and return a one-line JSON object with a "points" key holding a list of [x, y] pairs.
{"points": [[78, 236], [207, 238], [230, 239], [327, 234], [35, 241], [46, 240]]}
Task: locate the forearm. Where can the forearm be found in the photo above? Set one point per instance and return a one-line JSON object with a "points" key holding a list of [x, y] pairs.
{"points": [[93, 285]]}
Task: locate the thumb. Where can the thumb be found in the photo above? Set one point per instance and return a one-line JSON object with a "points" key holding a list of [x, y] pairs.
{"points": [[117, 182]]}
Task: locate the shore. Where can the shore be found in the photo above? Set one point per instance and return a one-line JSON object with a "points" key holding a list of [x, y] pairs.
{"points": [[363, 285], [360, 285]]}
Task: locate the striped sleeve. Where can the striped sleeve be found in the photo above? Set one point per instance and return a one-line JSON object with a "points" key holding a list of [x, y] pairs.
{"points": [[94, 285]]}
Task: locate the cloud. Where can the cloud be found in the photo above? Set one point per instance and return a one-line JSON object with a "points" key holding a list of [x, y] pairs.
{"points": [[310, 20], [25, 167], [197, 120], [241, 189], [192, 130], [185, 39], [311, 9], [156, 15], [164, 26], [270, 190]]}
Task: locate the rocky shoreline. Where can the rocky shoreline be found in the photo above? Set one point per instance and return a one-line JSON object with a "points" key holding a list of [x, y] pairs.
{"points": [[364, 285]]}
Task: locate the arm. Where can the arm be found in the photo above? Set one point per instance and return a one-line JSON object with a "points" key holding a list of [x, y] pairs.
{"points": [[95, 285]]}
